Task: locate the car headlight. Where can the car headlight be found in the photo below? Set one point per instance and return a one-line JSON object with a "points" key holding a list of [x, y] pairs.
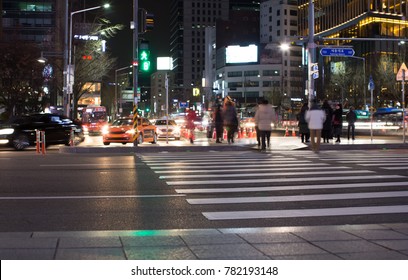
{"points": [[105, 129], [7, 131], [130, 131]]}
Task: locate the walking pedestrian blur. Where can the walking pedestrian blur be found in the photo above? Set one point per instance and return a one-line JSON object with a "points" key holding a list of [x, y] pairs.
{"points": [[327, 132], [315, 118], [302, 123], [258, 133], [190, 118], [338, 122], [264, 117], [351, 118], [230, 118], [219, 124]]}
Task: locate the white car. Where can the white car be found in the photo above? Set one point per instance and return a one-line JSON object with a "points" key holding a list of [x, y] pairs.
{"points": [[170, 129]]}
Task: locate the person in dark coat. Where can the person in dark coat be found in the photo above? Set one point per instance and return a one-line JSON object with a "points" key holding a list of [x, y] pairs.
{"points": [[302, 123], [351, 118], [230, 118], [338, 122], [219, 123], [327, 125]]}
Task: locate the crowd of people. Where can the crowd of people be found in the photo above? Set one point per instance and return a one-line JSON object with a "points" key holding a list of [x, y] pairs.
{"points": [[324, 123], [315, 123]]}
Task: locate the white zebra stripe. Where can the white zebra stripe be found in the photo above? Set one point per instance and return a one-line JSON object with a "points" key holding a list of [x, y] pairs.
{"points": [[290, 188], [260, 168], [297, 198], [280, 180], [236, 175], [299, 213]]}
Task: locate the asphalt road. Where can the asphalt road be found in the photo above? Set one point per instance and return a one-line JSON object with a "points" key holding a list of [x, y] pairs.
{"points": [[58, 192]]}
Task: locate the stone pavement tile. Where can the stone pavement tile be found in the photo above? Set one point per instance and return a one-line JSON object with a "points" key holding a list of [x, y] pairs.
{"points": [[326, 256], [325, 235], [129, 241], [270, 237], [385, 234], [15, 234], [402, 230], [87, 242], [27, 254], [212, 239], [226, 251], [90, 254], [397, 245], [284, 249], [349, 246], [28, 243], [397, 226], [390, 255], [159, 253]]}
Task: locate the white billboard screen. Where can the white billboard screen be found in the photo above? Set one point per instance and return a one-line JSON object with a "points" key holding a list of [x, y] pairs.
{"points": [[238, 54]]}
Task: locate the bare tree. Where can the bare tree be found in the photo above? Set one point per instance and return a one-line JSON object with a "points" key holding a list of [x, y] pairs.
{"points": [[21, 79], [91, 63]]}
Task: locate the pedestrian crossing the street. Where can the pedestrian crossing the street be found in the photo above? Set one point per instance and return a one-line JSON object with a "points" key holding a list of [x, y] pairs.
{"points": [[291, 184]]}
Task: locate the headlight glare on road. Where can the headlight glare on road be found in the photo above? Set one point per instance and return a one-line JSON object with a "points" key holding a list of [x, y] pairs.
{"points": [[7, 131]]}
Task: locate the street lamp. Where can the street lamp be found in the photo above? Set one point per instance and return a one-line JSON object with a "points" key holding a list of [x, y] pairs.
{"points": [[69, 68]]}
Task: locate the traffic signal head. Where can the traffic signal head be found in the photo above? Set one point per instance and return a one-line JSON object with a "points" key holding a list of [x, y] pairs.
{"points": [[144, 60]]}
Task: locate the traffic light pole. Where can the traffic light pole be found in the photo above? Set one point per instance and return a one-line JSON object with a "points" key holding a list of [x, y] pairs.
{"points": [[135, 62]]}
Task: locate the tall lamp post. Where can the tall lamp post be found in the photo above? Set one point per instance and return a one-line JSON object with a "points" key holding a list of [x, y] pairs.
{"points": [[311, 52], [70, 72]]}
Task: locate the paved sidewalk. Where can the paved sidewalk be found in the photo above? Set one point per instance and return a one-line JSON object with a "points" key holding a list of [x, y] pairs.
{"points": [[349, 242], [205, 144]]}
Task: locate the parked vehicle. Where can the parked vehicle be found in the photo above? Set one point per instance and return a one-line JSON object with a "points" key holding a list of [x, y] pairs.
{"points": [[94, 118], [168, 129], [122, 131], [20, 132]]}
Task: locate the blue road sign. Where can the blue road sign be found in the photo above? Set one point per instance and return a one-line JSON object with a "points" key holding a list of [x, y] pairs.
{"points": [[337, 52]]}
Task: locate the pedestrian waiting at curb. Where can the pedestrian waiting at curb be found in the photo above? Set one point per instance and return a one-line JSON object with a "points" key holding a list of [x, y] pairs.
{"points": [[264, 117], [302, 123], [327, 132], [230, 118], [351, 118], [315, 118], [338, 122], [219, 124]]}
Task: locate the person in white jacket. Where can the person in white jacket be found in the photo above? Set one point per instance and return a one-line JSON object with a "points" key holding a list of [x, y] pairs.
{"points": [[315, 118], [264, 117]]}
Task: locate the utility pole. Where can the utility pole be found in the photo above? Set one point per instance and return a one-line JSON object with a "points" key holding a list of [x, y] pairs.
{"points": [[135, 62], [311, 53]]}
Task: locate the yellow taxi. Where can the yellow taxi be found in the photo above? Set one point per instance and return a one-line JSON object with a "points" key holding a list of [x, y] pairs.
{"points": [[121, 131]]}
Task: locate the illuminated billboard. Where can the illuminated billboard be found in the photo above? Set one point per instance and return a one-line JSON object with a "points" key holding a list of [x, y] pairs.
{"points": [[239, 54]]}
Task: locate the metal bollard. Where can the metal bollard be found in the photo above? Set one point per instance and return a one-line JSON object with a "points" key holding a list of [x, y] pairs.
{"points": [[40, 141], [72, 138]]}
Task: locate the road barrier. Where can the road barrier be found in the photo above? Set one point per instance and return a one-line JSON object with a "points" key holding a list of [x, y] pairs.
{"points": [[40, 141]]}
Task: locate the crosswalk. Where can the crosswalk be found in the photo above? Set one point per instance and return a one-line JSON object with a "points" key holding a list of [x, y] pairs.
{"points": [[290, 184]]}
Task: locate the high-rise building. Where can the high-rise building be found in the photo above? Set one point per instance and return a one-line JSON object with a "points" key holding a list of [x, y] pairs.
{"points": [[372, 28], [188, 21]]}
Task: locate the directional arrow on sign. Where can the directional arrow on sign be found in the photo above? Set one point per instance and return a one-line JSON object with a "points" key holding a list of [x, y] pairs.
{"points": [[337, 52]]}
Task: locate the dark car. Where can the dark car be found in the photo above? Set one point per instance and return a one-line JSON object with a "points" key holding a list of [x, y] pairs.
{"points": [[20, 132]]}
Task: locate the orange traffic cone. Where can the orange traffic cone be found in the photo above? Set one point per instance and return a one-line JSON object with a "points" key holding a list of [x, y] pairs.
{"points": [[214, 136], [239, 133], [293, 132], [287, 132], [251, 133], [224, 136]]}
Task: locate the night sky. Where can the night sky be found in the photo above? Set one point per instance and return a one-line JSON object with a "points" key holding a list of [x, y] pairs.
{"points": [[121, 12]]}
